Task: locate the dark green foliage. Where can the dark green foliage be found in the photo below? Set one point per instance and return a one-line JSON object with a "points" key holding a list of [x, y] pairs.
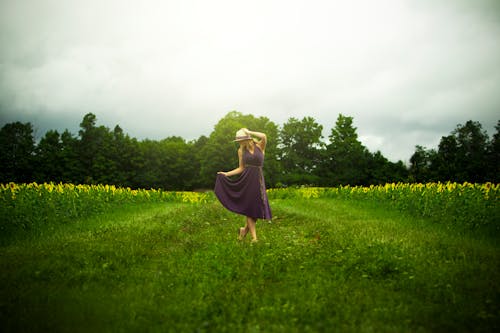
{"points": [[295, 155], [49, 158], [494, 156], [127, 154], [17, 148], [300, 151], [472, 145], [168, 164], [347, 162], [348, 158], [466, 155], [71, 167], [420, 165], [381, 171]]}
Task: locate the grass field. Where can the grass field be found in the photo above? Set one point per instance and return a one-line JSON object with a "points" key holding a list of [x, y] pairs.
{"points": [[321, 265]]}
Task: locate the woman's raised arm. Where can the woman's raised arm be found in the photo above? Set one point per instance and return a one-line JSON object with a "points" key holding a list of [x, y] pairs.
{"points": [[262, 136]]}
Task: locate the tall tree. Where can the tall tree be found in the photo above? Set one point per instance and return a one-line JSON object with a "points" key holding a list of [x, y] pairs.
{"points": [[494, 157], [446, 162], [149, 174], [472, 143], [421, 163], [49, 158], [88, 146], [95, 151], [346, 158], [17, 147], [168, 164], [126, 157], [300, 150], [197, 148], [179, 164], [72, 170], [380, 170]]}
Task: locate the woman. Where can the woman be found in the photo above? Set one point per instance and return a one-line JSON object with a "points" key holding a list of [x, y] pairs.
{"points": [[246, 195]]}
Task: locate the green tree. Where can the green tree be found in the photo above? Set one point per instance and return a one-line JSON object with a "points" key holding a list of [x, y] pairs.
{"points": [[126, 156], [149, 173], [472, 143], [17, 148], [421, 165], [494, 157], [88, 146], [95, 150], [168, 164], [381, 170], [464, 155], [346, 160], [72, 170], [198, 147], [49, 158], [446, 163], [398, 172], [300, 150], [178, 165]]}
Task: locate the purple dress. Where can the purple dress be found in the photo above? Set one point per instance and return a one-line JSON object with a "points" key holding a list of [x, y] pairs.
{"points": [[246, 195]]}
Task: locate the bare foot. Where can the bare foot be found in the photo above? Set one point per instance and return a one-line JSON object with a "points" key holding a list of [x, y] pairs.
{"points": [[242, 233]]}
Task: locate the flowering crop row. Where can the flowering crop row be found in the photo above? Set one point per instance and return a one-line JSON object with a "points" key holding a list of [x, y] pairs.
{"points": [[23, 206], [467, 204]]}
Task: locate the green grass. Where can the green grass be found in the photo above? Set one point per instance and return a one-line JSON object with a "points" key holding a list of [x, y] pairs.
{"points": [[321, 265]]}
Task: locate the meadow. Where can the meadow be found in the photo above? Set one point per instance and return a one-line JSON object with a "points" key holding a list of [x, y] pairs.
{"points": [[392, 258]]}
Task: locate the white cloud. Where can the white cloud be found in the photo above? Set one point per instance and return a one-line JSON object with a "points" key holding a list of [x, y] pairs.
{"points": [[407, 71]]}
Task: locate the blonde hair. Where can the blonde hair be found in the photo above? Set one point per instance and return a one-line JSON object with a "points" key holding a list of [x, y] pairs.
{"points": [[245, 144]]}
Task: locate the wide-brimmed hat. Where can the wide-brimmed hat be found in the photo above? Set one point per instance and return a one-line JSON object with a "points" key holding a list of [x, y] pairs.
{"points": [[241, 135]]}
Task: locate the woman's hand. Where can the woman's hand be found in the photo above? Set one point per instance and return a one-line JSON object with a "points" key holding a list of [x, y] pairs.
{"points": [[262, 136], [222, 173]]}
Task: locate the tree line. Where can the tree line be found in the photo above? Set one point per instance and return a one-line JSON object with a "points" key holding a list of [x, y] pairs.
{"points": [[295, 155]]}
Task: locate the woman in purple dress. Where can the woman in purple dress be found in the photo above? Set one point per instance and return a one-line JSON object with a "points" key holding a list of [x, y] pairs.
{"points": [[246, 195]]}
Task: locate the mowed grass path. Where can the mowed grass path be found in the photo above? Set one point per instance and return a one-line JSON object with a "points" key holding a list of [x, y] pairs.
{"points": [[322, 265]]}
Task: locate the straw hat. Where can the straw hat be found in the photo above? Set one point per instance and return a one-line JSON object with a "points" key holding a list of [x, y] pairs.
{"points": [[241, 135]]}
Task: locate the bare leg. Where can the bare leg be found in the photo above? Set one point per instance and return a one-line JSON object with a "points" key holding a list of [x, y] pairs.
{"points": [[251, 227]]}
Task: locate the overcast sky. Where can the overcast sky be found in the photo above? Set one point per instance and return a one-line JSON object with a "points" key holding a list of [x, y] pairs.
{"points": [[407, 71]]}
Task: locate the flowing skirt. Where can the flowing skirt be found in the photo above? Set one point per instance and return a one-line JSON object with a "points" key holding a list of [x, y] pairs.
{"points": [[245, 195]]}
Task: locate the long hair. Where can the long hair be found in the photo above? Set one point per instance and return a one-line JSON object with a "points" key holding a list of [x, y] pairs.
{"points": [[245, 145]]}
